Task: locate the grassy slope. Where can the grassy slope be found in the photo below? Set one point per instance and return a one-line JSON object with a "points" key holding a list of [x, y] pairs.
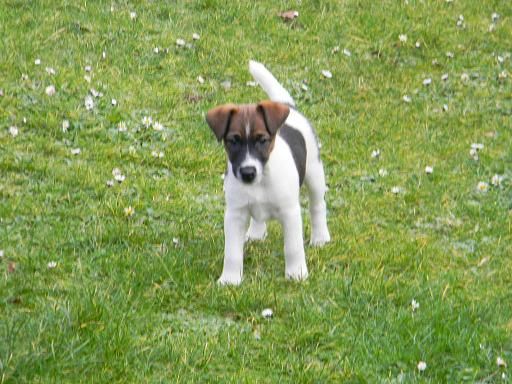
{"points": [[126, 304]]}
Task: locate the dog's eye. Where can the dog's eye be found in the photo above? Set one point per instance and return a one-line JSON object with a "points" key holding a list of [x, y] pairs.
{"points": [[262, 140], [234, 140]]}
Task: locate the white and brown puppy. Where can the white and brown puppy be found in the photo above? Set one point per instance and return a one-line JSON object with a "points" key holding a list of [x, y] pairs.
{"points": [[272, 150]]}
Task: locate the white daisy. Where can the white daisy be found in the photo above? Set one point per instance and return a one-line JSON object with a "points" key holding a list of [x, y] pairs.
{"points": [[414, 305], [50, 70], [195, 36], [460, 21], [13, 130], [52, 264], [327, 74], [383, 172], [88, 68], [500, 362], [89, 102], [114, 102], [75, 151], [429, 170], [118, 175], [121, 127], [180, 42], [396, 190], [157, 126], [496, 180], [147, 121], [50, 90], [422, 366], [402, 38], [444, 77], [407, 98], [37, 62], [375, 153], [267, 313], [427, 81], [482, 187], [133, 15], [346, 52], [65, 125], [95, 93], [129, 211]]}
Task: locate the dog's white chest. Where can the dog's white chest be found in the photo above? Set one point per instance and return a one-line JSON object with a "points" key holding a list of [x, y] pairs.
{"points": [[259, 200]]}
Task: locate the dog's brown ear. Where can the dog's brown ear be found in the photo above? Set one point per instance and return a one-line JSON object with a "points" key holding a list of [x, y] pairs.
{"points": [[219, 118], [274, 114]]}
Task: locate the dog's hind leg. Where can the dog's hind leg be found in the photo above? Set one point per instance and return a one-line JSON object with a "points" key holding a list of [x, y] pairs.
{"points": [[257, 230], [315, 182]]}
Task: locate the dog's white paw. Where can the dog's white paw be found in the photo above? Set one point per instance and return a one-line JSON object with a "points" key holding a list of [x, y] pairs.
{"points": [[229, 280], [320, 239], [255, 236], [297, 273], [256, 231]]}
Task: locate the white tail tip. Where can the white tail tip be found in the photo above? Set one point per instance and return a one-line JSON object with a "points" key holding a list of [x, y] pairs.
{"points": [[269, 83]]}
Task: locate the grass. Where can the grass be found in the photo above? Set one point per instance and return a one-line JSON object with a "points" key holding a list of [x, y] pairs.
{"points": [[134, 299]]}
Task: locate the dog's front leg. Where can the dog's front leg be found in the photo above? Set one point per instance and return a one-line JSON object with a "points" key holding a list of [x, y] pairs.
{"points": [[295, 257], [235, 225]]}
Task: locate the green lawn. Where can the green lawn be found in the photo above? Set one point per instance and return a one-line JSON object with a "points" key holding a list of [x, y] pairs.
{"points": [[92, 292]]}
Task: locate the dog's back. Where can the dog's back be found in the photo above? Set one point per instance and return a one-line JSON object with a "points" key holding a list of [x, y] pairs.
{"points": [[295, 120]]}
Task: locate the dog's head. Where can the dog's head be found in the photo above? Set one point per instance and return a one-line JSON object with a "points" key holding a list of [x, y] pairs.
{"points": [[248, 133]]}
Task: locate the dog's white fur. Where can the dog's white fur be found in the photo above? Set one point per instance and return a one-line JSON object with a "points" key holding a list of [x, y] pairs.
{"points": [[274, 194]]}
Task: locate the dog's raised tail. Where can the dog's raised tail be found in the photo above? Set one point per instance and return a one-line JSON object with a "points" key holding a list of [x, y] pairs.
{"points": [[269, 83]]}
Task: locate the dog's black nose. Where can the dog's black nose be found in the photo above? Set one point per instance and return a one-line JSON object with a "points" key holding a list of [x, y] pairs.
{"points": [[248, 174]]}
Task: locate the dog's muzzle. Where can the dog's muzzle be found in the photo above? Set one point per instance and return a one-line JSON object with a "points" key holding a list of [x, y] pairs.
{"points": [[248, 174]]}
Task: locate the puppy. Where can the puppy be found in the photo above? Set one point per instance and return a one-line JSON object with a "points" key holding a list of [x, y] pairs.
{"points": [[272, 150]]}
